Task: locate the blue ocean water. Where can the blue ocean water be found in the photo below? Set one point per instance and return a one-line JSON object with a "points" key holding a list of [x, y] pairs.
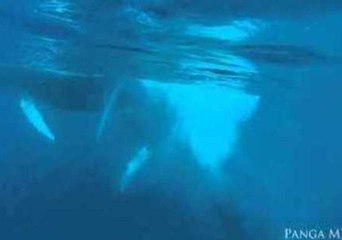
{"points": [[170, 119]]}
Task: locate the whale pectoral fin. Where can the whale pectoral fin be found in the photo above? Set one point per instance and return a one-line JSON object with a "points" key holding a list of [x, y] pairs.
{"points": [[133, 166], [35, 117], [106, 111]]}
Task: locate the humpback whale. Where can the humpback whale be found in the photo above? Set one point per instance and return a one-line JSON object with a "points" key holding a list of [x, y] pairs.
{"points": [[57, 89], [73, 91]]}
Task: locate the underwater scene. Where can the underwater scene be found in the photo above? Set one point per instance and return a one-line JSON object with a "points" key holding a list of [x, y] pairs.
{"points": [[170, 119]]}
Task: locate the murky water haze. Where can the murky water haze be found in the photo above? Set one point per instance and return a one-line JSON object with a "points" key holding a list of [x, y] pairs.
{"points": [[169, 120]]}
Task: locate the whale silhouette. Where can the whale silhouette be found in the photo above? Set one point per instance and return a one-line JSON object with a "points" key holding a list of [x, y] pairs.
{"points": [[61, 90]]}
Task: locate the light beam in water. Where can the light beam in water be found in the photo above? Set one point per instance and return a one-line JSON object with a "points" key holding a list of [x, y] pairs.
{"points": [[208, 118]]}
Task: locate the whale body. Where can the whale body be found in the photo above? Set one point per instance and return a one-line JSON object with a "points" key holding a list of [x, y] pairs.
{"points": [[60, 90]]}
